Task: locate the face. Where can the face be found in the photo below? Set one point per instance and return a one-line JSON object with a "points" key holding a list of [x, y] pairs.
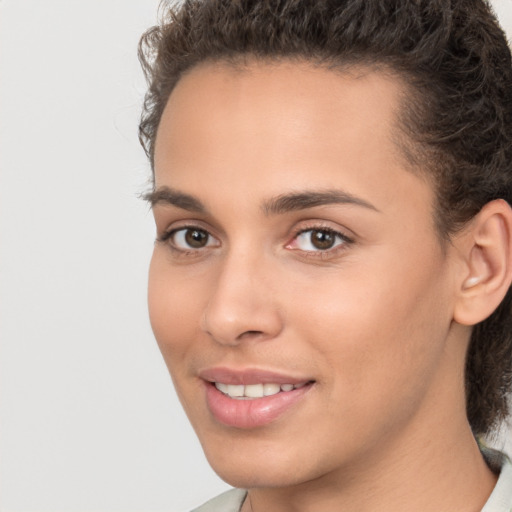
{"points": [[298, 290]]}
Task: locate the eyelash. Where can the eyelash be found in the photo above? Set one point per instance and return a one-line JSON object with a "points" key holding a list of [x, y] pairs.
{"points": [[167, 238], [342, 239]]}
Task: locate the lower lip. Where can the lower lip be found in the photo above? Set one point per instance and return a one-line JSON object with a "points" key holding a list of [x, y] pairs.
{"points": [[251, 413]]}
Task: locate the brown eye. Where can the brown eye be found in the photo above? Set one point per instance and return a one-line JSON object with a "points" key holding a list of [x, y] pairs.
{"points": [[196, 238], [191, 238], [322, 239], [319, 240]]}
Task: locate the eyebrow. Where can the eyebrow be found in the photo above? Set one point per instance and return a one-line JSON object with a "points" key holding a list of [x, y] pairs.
{"points": [[275, 206], [166, 195], [310, 199]]}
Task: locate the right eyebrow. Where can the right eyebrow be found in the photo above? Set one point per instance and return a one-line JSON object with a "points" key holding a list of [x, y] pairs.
{"points": [[166, 195]]}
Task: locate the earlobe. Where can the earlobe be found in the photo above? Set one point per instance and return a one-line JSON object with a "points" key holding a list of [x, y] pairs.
{"points": [[487, 253]]}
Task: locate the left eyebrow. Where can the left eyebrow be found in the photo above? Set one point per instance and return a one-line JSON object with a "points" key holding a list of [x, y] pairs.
{"points": [[309, 199]]}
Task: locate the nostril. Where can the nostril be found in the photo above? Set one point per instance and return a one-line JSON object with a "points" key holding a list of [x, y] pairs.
{"points": [[249, 334]]}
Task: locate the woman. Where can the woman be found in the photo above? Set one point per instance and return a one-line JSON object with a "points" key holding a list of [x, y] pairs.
{"points": [[330, 282]]}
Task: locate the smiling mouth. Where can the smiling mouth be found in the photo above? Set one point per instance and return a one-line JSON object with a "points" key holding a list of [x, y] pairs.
{"points": [[255, 391], [260, 400]]}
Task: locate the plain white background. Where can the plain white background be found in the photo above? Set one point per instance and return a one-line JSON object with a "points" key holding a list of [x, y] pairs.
{"points": [[88, 418]]}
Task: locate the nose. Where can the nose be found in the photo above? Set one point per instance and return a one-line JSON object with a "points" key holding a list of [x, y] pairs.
{"points": [[243, 303]]}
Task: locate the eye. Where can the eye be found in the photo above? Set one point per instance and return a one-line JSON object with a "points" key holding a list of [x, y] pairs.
{"points": [[319, 239], [190, 238]]}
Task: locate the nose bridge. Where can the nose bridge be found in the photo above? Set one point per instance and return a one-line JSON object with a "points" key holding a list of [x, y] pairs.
{"points": [[242, 304]]}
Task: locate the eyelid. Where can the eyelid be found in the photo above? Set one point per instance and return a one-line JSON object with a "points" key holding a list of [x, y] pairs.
{"points": [[167, 226], [346, 240], [336, 233], [167, 238]]}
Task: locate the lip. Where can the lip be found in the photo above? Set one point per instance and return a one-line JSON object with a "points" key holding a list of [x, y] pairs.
{"points": [[249, 376], [256, 412]]}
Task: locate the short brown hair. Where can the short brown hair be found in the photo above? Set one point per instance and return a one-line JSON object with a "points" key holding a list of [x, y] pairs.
{"points": [[458, 116]]}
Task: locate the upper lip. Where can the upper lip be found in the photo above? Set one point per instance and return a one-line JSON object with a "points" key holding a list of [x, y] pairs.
{"points": [[248, 376]]}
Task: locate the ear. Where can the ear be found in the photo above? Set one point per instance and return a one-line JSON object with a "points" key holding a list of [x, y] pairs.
{"points": [[486, 250]]}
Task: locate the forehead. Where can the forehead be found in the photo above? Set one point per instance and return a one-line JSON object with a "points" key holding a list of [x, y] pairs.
{"points": [[287, 97], [261, 126]]}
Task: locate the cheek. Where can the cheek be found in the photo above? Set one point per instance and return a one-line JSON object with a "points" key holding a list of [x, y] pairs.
{"points": [[381, 333], [174, 309]]}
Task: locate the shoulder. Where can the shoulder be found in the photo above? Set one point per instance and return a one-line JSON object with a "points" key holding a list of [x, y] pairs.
{"points": [[501, 497], [229, 501]]}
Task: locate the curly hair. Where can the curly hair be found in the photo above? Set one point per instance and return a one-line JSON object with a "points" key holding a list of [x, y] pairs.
{"points": [[456, 119]]}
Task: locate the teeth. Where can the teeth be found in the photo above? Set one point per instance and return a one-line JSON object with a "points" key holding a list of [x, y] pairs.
{"points": [[271, 389], [254, 390], [222, 387], [235, 390], [240, 391]]}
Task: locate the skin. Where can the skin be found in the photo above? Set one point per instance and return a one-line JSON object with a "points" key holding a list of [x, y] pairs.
{"points": [[371, 320]]}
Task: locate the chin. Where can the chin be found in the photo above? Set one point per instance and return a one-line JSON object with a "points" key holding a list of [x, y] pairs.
{"points": [[250, 476], [249, 465]]}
